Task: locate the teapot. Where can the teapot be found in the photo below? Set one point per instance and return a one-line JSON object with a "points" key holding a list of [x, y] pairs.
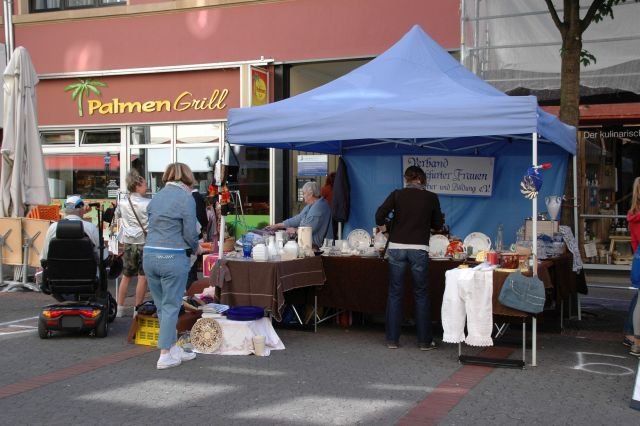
{"points": [[290, 250]]}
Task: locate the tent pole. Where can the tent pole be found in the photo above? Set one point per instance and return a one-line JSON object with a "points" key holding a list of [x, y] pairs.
{"points": [[221, 237], [575, 196], [534, 248], [534, 210], [575, 219]]}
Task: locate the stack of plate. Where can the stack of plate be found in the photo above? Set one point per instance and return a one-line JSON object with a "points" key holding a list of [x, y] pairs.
{"points": [[478, 242], [438, 246], [359, 239]]}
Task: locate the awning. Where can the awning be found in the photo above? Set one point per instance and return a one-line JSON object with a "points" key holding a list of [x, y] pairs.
{"points": [[79, 162]]}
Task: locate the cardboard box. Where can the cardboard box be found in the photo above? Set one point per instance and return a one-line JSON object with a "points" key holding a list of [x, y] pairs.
{"points": [[548, 227]]}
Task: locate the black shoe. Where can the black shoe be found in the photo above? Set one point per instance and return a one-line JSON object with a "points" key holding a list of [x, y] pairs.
{"points": [[427, 346]]}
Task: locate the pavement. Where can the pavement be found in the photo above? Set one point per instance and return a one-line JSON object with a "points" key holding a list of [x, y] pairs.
{"points": [[337, 376]]}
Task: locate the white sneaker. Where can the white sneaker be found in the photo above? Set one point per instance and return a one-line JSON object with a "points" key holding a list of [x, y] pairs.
{"points": [[167, 361], [178, 353], [123, 311]]}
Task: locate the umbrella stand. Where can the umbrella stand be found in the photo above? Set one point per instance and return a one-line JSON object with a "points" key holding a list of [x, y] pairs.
{"points": [[28, 243], [3, 243]]}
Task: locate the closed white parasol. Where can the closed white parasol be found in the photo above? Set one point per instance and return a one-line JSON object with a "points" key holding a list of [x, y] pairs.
{"points": [[23, 179]]}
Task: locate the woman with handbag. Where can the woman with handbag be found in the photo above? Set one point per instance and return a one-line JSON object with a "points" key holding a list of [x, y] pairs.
{"points": [[172, 239], [133, 222]]}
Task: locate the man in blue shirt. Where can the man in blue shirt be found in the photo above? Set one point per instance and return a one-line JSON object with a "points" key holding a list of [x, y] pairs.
{"points": [[316, 214]]}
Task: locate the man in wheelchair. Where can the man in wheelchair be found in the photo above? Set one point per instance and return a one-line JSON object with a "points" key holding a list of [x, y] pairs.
{"points": [[75, 263]]}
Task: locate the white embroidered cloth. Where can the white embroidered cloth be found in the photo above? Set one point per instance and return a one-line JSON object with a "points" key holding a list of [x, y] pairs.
{"points": [[238, 336]]}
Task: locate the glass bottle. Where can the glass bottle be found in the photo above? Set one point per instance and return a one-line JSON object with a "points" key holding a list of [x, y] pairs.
{"points": [[499, 238]]}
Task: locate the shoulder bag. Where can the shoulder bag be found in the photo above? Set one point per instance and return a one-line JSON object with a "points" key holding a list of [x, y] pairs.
{"points": [[136, 215]]}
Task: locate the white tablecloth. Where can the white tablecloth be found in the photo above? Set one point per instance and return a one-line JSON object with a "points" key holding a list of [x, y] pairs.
{"points": [[237, 336]]}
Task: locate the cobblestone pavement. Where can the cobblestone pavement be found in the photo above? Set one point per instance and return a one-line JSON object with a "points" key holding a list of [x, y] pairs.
{"points": [[338, 376]]}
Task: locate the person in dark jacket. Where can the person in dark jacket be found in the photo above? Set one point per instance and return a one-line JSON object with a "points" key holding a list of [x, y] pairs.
{"points": [[415, 212], [203, 221], [201, 208], [340, 197]]}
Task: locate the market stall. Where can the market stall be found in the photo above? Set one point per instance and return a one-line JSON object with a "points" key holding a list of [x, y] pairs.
{"points": [[415, 105]]}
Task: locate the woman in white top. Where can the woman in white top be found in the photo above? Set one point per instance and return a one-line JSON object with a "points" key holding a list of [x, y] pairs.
{"points": [[134, 220]]}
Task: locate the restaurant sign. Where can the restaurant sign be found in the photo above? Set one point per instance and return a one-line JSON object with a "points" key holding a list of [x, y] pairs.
{"points": [[182, 102], [455, 175]]}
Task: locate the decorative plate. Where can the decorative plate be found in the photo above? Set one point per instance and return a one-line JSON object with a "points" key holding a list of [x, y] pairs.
{"points": [[478, 242], [206, 335], [359, 238], [438, 245]]}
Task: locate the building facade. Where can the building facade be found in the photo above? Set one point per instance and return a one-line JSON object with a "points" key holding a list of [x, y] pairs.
{"points": [[142, 83]]}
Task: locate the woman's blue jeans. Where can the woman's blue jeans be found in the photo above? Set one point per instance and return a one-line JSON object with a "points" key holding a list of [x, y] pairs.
{"points": [[417, 260], [166, 273], [635, 282]]}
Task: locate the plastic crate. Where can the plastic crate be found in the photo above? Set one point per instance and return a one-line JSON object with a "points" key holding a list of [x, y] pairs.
{"points": [[51, 212], [148, 330]]}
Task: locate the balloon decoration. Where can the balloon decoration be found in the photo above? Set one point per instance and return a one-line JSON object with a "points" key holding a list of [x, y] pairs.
{"points": [[532, 181]]}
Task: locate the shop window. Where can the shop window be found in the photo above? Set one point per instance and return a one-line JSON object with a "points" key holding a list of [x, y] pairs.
{"points": [[200, 161], [36, 6], [58, 137], [151, 163], [252, 181], [198, 133], [100, 137], [86, 174], [145, 135]]}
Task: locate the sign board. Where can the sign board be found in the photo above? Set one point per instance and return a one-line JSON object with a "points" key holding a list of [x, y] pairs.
{"points": [[449, 175], [312, 165], [259, 86]]}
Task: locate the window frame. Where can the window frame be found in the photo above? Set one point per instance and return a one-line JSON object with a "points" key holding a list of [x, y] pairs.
{"points": [[64, 5]]}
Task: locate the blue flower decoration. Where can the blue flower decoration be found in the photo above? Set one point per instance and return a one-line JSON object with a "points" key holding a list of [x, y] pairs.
{"points": [[531, 183]]}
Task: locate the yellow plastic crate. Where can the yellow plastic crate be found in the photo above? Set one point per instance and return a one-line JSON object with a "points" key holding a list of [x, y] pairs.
{"points": [[148, 331]]}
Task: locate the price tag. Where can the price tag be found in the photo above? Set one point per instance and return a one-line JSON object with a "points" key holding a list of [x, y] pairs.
{"points": [[590, 249]]}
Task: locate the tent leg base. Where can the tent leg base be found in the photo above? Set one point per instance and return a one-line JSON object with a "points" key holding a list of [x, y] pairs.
{"points": [[491, 362]]}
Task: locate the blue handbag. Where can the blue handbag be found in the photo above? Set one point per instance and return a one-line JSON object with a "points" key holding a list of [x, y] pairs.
{"points": [[523, 293]]}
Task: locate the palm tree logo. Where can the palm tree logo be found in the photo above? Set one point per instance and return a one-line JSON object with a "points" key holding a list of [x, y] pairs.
{"points": [[84, 88]]}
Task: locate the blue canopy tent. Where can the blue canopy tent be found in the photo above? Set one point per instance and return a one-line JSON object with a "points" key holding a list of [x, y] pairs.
{"points": [[415, 99]]}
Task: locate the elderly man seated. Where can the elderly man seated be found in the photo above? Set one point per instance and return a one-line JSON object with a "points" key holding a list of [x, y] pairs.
{"points": [[74, 208], [316, 214]]}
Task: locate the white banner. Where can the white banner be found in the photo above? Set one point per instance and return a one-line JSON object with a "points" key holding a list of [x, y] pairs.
{"points": [[455, 175]]}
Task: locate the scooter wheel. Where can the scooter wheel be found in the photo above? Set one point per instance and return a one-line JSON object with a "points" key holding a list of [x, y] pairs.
{"points": [[43, 332], [102, 328]]}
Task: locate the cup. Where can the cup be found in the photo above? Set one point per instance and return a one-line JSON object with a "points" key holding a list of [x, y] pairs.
{"points": [[246, 249], [258, 345]]}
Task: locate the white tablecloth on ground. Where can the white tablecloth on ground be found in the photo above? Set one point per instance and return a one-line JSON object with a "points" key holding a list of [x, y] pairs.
{"points": [[237, 336]]}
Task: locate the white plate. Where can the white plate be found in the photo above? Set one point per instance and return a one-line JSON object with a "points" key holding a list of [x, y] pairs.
{"points": [[374, 254], [438, 245], [359, 238], [440, 258], [478, 242]]}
